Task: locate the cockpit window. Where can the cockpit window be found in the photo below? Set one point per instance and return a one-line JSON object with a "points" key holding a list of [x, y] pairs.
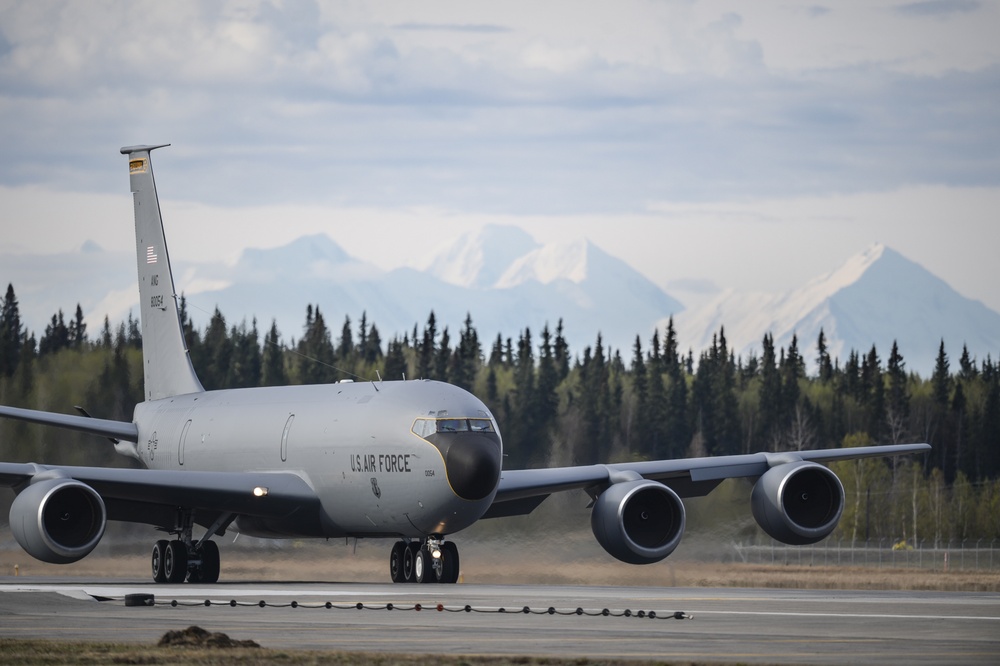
{"points": [[452, 425], [426, 427], [480, 425]]}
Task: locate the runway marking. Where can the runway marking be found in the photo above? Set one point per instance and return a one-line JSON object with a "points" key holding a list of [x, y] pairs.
{"points": [[885, 616]]}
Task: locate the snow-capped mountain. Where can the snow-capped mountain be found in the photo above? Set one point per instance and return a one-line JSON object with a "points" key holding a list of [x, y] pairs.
{"points": [[479, 259], [499, 275], [876, 297]]}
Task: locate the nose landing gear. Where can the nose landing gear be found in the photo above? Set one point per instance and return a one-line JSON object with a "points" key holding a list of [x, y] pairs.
{"points": [[431, 561]]}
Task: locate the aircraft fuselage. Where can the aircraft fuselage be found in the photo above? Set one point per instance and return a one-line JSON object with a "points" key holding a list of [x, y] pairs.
{"points": [[387, 459]]}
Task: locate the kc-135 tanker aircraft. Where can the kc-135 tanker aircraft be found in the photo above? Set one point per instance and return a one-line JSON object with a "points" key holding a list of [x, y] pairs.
{"points": [[416, 461]]}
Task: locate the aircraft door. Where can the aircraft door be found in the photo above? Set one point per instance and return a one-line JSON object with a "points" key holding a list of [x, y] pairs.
{"points": [[182, 441], [284, 437]]}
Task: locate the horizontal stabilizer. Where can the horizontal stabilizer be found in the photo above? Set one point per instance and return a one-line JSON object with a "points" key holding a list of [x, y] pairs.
{"points": [[103, 427]]}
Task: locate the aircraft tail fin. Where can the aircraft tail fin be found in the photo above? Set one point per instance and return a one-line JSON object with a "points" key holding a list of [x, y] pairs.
{"points": [[166, 363]]}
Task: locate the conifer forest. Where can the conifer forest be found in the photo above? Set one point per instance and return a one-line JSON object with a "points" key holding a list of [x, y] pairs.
{"points": [[562, 406]]}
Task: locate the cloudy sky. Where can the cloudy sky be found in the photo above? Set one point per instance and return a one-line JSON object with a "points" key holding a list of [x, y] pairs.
{"points": [[750, 145]]}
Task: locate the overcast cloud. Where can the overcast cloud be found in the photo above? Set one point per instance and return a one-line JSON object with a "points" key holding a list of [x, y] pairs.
{"points": [[678, 135]]}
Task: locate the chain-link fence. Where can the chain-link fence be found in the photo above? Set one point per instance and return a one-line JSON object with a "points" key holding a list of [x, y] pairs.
{"points": [[967, 555]]}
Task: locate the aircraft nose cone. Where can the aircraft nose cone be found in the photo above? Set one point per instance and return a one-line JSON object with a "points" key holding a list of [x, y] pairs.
{"points": [[472, 461]]}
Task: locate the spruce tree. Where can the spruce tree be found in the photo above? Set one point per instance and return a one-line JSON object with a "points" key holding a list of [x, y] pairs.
{"points": [[561, 351], [824, 364], [345, 347], [373, 345], [898, 399], [245, 368], [78, 330], [639, 430], [395, 361], [657, 400], [941, 395], [106, 339], [425, 358], [11, 334], [56, 335], [525, 427], [217, 353], [465, 360], [496, 352], [316, 354], [548, 381], [875, 393], [770, 423], [273, 371], [442, 356]]}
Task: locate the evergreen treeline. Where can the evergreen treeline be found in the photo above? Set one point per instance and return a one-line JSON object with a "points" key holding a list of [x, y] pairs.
{"points": [[556, 407]]}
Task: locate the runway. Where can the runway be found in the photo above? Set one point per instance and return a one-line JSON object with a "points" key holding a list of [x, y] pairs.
{"points": [[723, 625]]}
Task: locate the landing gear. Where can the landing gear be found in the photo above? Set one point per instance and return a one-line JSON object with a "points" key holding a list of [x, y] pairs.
{"points": [[159, 552], [175, 562], [396, 562], [183, 558], [208, 569], [432, 561]]}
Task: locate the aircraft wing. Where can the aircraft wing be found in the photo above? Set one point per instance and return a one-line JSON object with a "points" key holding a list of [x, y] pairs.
{"points": [[520, 491], [151, 496]]}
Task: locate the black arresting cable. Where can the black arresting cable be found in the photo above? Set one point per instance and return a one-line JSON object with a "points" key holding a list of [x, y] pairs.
{"points": [[148, 600]]}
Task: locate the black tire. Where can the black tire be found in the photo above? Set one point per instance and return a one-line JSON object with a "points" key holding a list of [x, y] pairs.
{"points": [[175, 562], [409, 558], [396, 556], [159, 551], [449, 563], [423, 567], [208, 571]]}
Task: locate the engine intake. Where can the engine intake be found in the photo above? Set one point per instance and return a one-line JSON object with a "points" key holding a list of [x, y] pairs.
{"points": [[638, 522], [58, 520], [798, 503]]}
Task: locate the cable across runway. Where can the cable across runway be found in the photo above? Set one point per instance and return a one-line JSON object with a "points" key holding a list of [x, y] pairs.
{"points": [[745, 625]]}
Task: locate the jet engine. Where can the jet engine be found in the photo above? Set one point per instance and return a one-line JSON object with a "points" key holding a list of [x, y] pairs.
{"points": [[639, 521], [797, 503], [58, 520]]}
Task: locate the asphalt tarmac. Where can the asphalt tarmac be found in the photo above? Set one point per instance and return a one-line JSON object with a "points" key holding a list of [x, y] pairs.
{"points": [[718, 625]]}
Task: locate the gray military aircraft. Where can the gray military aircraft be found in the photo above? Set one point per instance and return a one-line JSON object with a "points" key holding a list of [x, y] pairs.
{"points": [[416, 461]]}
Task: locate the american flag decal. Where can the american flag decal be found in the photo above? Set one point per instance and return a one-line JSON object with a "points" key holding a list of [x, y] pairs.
{"points": [[150, 255]]}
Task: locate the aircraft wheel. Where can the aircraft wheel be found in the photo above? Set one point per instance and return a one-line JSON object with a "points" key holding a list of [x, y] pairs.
{"points": [[208, 570], [159, 553], [449, 562], [423, 567], [409, 560], [396, 557], [175, 560]]}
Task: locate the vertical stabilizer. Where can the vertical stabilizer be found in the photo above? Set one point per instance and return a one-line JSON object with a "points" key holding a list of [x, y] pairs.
{"points": [[167, 368]]}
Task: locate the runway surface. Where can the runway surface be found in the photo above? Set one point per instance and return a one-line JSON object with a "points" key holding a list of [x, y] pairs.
{"points": [[725, 625]]}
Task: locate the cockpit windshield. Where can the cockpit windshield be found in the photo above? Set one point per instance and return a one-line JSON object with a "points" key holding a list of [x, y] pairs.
{"points": [[426, 427]]}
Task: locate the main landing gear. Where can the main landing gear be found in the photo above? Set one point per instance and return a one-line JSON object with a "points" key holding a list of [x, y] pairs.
{"points": [[430, 561], [183, 558]]}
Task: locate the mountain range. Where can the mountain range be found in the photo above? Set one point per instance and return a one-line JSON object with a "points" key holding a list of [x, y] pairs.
{"points": [[500, 276], [875, 298], [507, 282]]}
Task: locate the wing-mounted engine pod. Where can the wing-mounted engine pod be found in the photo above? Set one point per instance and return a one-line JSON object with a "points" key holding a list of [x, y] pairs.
{"points": [[638, 522], [798, 503], [58, 520]]}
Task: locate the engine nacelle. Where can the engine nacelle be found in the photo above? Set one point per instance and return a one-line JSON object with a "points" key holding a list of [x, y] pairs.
{"points": [[58, 520], [798, 503], [638, 522]]}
